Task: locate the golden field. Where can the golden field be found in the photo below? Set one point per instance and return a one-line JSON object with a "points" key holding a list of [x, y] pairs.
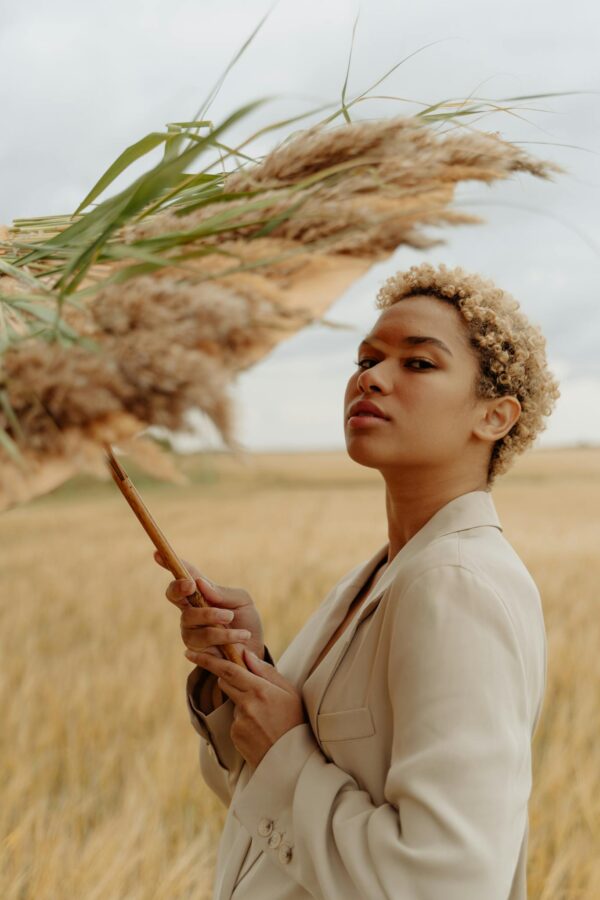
{"points": [[102, 797]]}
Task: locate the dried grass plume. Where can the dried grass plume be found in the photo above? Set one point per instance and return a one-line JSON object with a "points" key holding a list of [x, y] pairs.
{"points": [[239, 274]]}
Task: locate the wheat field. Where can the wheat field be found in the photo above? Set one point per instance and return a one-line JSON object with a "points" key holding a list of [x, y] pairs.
{"points": [[102, 797]]}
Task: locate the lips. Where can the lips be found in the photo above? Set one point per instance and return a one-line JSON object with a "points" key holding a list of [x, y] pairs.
{"points": [[366, 408]]}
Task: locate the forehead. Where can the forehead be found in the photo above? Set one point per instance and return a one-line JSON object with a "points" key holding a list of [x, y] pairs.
{"points": [[422, 311], [423, 315]]}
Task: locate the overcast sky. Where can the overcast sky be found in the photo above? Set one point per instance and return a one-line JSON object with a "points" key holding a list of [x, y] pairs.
{"points": [[79, 81]]}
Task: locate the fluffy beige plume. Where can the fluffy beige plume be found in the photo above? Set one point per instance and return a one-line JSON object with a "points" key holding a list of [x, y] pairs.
{"points": [[342, 198]]}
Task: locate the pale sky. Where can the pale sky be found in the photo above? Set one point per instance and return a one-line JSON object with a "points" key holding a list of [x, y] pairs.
{"points": [[81, 81]]}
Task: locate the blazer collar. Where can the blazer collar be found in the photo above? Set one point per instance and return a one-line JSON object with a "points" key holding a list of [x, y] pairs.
{"points": [[470, 510]]}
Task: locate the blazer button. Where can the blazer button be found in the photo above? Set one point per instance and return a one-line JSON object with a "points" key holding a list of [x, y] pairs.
{"points": [[285, 853], [265, 827], [274, 840]]}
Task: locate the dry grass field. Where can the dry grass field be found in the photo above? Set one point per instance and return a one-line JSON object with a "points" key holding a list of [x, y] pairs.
{"points": [[102, 797]]}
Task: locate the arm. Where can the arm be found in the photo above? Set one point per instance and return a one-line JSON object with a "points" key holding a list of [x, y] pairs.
{"points": [[460, 770]]}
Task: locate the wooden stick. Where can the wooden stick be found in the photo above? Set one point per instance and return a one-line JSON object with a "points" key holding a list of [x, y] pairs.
{"points": [[174, 564]]}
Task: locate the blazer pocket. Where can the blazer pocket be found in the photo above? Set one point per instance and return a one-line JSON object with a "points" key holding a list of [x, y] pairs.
{"points": [[345, 724]]}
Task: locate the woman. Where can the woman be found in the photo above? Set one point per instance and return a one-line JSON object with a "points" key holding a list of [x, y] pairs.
{"points": [[387, 754]]}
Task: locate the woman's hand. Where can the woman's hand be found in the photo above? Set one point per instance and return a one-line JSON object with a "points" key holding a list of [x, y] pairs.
{"points": [[231, 618], [266, 703]]}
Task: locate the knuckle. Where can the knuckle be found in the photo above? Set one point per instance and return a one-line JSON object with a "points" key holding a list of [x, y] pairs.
{"points": [[248, 708], [189, 616], [228, 669], [211, 634]]}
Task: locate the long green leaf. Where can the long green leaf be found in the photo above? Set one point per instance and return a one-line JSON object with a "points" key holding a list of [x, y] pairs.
{"points": [[10, 414], [44, 315], [23, 277], [122, 162], [174, 144], [345, 85], [164, 174], [217, 86], [138, 195]]}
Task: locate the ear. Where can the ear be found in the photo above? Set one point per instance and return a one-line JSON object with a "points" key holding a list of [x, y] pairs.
{"points": [[498, 417]]}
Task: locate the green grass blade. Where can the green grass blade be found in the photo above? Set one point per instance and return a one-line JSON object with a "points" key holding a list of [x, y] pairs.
{"points": [[122, 162], [163, 175], [86, 227], [345, 85], [130, 251], [194, 123], [217, 86], [23, 277], [174, 144], [10, 414], [112, 213], [44, 315]]}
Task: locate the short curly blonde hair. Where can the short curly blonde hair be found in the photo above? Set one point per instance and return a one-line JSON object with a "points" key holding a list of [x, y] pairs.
{"points": [[511, 349]]}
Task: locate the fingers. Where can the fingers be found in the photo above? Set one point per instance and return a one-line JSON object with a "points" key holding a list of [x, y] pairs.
{"points": [[201, 616], [215, 594], [201, 639], [230, 691], [230, 672]]}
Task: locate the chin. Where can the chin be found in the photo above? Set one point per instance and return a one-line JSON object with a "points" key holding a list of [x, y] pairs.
{"points": [[363, 455]]}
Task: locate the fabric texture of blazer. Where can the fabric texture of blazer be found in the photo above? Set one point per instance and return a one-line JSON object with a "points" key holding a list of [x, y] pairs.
{"points": [[412, 778]]}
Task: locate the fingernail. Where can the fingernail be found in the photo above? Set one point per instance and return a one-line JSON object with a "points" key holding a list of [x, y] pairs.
{"points": [[225, 615], [206, 581]]}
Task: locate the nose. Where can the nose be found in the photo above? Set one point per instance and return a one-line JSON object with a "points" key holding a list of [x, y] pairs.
{"points": [[371, 380]]}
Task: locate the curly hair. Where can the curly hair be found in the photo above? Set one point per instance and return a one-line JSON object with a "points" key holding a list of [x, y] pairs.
{"points": [[511, 350]]}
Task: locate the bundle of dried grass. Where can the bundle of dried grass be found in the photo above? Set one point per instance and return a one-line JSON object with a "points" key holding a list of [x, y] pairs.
{"points": [[149, 305]]}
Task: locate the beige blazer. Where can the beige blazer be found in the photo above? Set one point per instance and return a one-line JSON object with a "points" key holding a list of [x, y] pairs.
{"points": [[413, 777]]}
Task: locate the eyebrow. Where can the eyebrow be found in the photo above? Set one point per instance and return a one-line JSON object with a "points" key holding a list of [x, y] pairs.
{"points": [[413, 340]]}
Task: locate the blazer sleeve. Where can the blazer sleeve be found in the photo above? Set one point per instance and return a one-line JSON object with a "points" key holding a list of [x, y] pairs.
{"points": [[220, 760], [459, 775]]}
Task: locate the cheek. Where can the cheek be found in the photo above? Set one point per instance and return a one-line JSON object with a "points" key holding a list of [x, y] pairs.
{"points": [[351, 386]]}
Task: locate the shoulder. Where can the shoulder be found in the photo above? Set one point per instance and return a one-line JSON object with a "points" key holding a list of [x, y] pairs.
{"points": [[479, 560], [474, 582]]}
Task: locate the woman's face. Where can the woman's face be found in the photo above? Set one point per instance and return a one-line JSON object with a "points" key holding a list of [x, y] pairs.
{"points": [[426, 392]]}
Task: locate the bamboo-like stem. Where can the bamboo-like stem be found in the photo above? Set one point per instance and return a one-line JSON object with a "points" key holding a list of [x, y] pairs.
{"points": [[174, 564]]}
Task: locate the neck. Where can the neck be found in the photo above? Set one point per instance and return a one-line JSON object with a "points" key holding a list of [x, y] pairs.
{"points": [[411, 502]]}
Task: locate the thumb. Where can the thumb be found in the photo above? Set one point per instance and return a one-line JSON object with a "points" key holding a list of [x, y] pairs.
{"points": [[217, 595], [209, 590]]}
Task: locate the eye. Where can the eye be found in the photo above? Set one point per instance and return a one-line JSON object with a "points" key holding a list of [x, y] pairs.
{"points": [[361, 362], [427, 364]]}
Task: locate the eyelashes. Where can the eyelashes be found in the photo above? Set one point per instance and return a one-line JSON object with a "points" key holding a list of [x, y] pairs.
{"points": [[360, 363]]}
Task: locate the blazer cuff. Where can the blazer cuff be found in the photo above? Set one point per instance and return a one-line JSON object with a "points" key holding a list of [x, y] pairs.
{"points": [[215, 726], [264, 804]]}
